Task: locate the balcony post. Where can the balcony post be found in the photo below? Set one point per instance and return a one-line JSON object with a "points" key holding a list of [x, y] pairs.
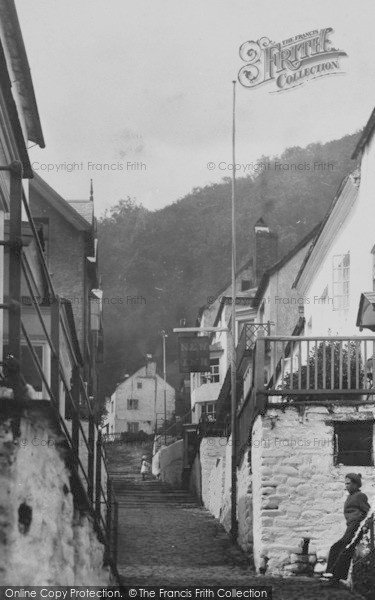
{"points": [[91, 441], [55, 354], [75, 412], [15, 257], [260, 353], [109, 515], [98, 475]]}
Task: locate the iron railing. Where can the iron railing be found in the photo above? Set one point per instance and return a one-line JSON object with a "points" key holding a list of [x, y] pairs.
{"points": [[64, 385]]}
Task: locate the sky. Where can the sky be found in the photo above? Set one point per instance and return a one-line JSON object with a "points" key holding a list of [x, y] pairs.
{"points": [[137, 95]]}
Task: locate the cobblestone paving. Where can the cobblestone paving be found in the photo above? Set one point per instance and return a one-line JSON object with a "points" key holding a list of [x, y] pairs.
{"points": [[165, 538]]}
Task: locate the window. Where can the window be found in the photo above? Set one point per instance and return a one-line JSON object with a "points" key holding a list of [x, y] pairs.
{"points": [[133, 427], [354, 443], [214, 370], [29, 370], [214, 375], [246, 285], [208, 410], [373, 268], [112, 403], [132, 404], [42, 228], [139, 385], [341, 278]]}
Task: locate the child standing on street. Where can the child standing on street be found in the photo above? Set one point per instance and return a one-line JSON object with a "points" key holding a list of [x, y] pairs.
{"points": [[145, 467]]}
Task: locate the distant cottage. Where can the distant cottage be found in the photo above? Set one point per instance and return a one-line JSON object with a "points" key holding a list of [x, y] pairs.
{"points": [[137, 404]]}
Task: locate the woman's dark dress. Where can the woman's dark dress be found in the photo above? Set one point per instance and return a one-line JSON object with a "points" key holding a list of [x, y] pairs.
{"points": [[356, 508]]}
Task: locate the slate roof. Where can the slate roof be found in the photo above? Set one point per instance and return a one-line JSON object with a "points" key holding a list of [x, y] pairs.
{"points": [[85, 208]]}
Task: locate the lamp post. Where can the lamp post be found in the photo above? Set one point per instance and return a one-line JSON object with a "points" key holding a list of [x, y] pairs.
{"points": [[164, 336]]}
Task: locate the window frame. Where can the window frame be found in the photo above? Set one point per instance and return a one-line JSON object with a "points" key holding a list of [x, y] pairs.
{"points": [[129, 402], [341, 454], [341, 281]]}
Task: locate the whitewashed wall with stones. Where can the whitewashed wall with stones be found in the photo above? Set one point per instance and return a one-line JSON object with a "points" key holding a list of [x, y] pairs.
{"points": [[168, 461], [43, 539], [290, 493], [298, 491]]}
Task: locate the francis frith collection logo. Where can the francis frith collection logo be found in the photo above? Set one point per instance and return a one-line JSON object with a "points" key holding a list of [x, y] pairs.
{"points": [[289, 63]]}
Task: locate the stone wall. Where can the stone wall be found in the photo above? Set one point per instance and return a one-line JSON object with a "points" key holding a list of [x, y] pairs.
{"points": [[245, 504], [298, 491], [290, 492], [169, 461], [44, 538], [212, 458], [195, 481]]}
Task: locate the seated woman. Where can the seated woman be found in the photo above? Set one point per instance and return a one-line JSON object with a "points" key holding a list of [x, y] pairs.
{"points": [[356, 508]]}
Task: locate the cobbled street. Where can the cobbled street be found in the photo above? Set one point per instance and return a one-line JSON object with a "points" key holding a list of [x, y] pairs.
{"points": [[166, 538]]}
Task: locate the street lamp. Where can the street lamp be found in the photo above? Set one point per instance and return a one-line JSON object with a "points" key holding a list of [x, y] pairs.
{"points": [[164, 336]]}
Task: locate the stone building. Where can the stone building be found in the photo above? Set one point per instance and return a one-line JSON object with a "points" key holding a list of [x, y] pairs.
{"points": [[306, 411], [137, 404], [70, 251], [57, 521], [208, 388]]}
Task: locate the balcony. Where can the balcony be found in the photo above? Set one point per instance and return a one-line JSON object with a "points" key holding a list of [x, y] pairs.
{"points": [[297, 369]]}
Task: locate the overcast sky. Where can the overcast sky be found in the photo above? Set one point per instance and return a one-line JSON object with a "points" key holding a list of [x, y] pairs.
{"points": [[150, 82]]}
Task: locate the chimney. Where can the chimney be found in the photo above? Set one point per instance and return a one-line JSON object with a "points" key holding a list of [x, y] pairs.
{"points": [[265, 254], [150, 366]]}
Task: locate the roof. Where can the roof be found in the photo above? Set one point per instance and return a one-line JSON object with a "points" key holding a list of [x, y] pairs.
{"points": [[57, 202], [366, 304], [85, 208], [366, 134], [20, 65], [354, 178], [277, 266]]}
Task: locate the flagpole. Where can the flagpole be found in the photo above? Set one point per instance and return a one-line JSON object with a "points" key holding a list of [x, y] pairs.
{"points": [[234, 524]]}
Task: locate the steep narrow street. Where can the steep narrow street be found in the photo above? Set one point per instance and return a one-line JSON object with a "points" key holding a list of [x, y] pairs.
{"points": [[167, 538]]}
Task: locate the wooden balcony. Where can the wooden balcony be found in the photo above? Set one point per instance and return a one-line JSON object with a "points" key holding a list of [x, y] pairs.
{"points": [[295, 369]]}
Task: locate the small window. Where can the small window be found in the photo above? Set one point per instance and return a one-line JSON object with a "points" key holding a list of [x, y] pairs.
{"points": [[246, 285], [132, 404], [112, 403], [139, 385], [214, 374], [133, 427], [354, 443], [214, 370]]}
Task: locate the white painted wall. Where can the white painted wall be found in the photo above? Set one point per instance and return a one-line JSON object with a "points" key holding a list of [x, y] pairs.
{"points": [[150, 402], [350, 230], [297, 490]]}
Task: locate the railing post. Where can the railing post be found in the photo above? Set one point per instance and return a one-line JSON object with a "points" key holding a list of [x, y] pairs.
{"points": [[260, 352], [90, 472], [75, 412], [15, 256], [55, 355], [109, 514], [115, 530], [98, 474]]}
